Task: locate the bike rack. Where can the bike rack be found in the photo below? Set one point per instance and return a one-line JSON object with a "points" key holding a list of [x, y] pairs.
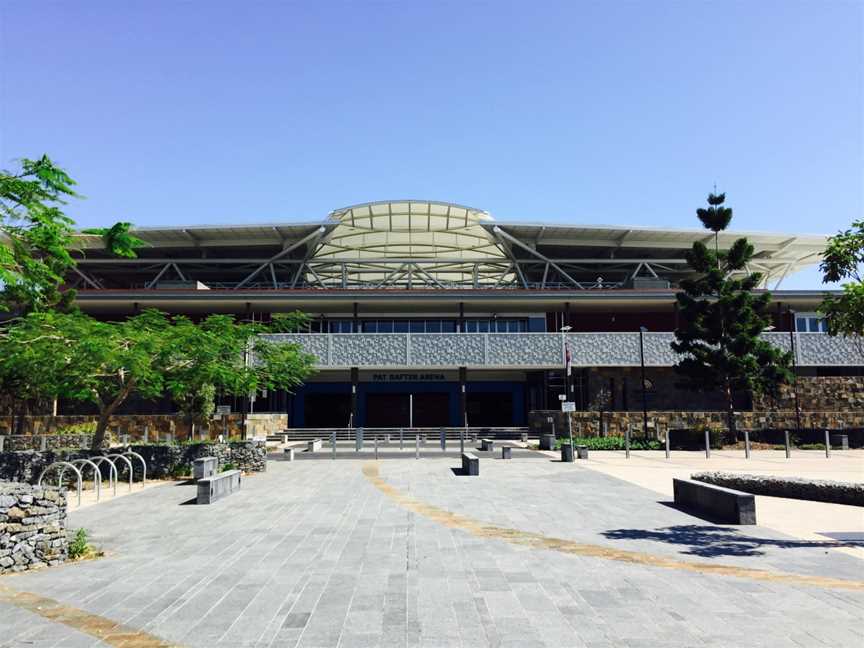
{"points": [[112, 472], [128, 463], [60, 480], [143, 464], [97, 474]]}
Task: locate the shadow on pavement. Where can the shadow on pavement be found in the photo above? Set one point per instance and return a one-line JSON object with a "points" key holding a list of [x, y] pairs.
{"points": [[710, 541]]}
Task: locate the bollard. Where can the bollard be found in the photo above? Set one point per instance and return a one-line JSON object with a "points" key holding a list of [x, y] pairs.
{"points": [[43, 443], [376, 447], [707, 444], [358, 439], [146, 433], [627, 442], [333, 444], [401, 445], [461, 441], [827, 445], [284, 439], [443, 440], [746, 444], [417, 446], [2, 442], [124, 440], [786, 443], [667, 442]]}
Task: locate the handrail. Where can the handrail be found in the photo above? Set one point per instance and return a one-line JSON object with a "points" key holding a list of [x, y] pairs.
{"points": [[59, 480]]}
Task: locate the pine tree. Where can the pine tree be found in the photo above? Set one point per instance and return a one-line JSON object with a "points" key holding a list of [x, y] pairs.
{"points": [[721, 320]]}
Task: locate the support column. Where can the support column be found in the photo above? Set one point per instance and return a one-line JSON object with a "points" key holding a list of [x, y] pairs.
{"points": [[463, 397], [355, 380]]}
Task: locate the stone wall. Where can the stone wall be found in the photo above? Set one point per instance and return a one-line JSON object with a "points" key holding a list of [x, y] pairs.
{"points": [[816, 490], [163, 460], [819, 394], [588, 424], [32, 527], [156, 427]]}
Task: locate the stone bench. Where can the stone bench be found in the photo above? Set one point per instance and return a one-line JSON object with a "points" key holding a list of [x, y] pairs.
{"points": [[470, 464], [715, 502], [204, 467], [313, 446], [506, 452], [486, 444], [218, 486]]}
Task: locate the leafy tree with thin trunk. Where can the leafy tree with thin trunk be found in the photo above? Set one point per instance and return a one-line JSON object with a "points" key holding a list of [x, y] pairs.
{"points": [[71, 355], [843, 260], [721, 319]]}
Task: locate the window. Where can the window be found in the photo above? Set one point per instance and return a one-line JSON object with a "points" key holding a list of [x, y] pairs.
{"points": [[810, 323]]}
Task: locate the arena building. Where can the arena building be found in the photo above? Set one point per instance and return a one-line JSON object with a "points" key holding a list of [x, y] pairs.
{"points": [[428, 313]]}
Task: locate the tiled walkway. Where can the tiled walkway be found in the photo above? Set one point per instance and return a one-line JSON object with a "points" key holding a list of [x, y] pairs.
{"points": [[314, 553]]}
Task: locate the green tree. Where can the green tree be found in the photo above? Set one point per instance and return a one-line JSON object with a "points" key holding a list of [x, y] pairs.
{"points": [[843, 260], [721, 320], [118, 241], [71, 355], [35, 236], [231, 358]]}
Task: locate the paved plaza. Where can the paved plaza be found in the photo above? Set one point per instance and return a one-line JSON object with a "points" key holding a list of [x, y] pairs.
{"points": [[400, 552]]}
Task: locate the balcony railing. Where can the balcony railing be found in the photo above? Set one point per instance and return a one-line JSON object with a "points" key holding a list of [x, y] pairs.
{"points": [[536, 350]]}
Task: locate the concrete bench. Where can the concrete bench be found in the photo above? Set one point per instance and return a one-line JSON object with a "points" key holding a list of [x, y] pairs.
{"points": [[470, 464], [204, 467], [218, 486], [486, 444], [288, 453], [715, 502], [506, 452], [314, 445]]}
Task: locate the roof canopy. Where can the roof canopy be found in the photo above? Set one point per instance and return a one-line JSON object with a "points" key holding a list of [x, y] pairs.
{"points": [[424, 243]]}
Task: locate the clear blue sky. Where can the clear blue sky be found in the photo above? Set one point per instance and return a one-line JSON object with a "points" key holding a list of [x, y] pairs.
{"points": [[610, 113]]}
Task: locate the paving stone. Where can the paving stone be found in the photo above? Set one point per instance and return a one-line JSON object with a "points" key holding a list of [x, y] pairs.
{"points": [[312, 554]]}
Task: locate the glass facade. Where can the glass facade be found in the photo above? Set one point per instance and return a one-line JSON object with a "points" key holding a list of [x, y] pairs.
{"points": [[431, 325]]}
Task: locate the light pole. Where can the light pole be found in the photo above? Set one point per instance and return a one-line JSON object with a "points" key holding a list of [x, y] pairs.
{"points": [[794, 372], [642, 331], [567, 368]]}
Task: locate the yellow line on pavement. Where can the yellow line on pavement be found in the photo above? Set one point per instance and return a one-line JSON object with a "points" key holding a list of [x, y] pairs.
{"points": [[107, 631], [537, 541]]}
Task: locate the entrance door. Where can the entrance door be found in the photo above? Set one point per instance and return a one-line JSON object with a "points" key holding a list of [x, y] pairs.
{"points": [[387, 410], [432, 410], [393, 410], [490, 409], [327, 410]]}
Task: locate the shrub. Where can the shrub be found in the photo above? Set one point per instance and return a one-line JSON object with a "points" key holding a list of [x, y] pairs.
{"points": [[694, 439], [78, 428], [79, 547], [612, 443], [228, 466]]}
